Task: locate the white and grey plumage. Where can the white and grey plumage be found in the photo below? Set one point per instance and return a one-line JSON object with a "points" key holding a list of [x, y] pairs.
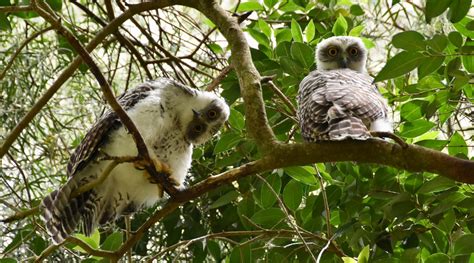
{"points": [[171, 118], [339, 100]]}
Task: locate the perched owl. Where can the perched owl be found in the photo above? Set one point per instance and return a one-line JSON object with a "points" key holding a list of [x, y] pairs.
{"points": [[338, 100], [171, 119]]}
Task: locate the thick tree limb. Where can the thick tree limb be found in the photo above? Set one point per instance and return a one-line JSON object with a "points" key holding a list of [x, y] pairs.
{"points": [[249, 78], [412, 158]]}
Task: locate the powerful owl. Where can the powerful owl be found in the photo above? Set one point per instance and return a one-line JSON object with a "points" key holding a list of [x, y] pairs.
{"points": [[339, 100], [170, 117]]}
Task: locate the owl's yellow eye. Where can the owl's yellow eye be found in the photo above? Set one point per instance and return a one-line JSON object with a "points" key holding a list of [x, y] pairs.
{"points": [[211, 114], [353, 51], [332, 51]]}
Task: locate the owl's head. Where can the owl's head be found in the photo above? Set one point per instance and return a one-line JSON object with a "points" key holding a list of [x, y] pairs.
{"points": [[205, 114], [341, 52]]}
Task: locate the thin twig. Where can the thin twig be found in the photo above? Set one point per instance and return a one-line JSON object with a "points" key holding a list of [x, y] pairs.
{"points": [[217, 80], [325, 200], [18, 51], [283, 97], [287, 214], [392, 136]]}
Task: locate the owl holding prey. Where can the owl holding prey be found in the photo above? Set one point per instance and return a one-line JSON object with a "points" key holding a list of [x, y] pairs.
{"points": [[338, 100], [170, 117]]}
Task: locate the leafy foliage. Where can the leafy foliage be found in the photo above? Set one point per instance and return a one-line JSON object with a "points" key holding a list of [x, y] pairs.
{"points": [[373, 213]]}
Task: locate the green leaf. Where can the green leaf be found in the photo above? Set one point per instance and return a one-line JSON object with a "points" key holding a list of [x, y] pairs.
{"points": [[293, 194], [412, 110], [429, 65], [356, 31], [458, 10], [270, 3], [409, 40], [217, 49], [455, 38], [364, 255], [303, 174], [464, 245], [56, 5], [303, 54], [433, 144], [438, 42], [310, 31], [435, 8], [4, 23], [283, 35], [17, 239], [356, 10], [368, 42], [400, 64], [214, 249], [468, 63], [447, 223], [260, 37], [93, 241], [437, 184], [437, 258], [265, 28], [291, 67], [340, 27], [225, 199], [457, 145], [241, 254], [296, 31], [453, 66], [415, 128], [227, 142], [283, 49], [462, 25], [348, 260], [268, 217], [236, 119], [470, 26], [7, 260], [250, 6], [113, 241], [267, 197]]}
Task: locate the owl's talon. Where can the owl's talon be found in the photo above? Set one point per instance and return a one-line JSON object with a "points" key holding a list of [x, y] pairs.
{"points": [[140, 164]]}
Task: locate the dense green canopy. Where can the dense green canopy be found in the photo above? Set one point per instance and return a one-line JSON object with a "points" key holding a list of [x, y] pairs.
{"points": [[274, 199]]}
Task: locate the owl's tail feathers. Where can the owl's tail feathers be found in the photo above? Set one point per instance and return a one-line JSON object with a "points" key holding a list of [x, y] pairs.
{"points": [[61, 213], [348, 127]]}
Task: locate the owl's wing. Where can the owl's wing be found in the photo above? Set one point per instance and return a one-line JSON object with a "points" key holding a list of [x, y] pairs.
{"points": [[356, 95], [338, 103], [98, 134]]}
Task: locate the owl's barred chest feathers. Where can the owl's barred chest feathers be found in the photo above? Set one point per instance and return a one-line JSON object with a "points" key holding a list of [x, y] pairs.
{"points": [[338, 100], [164, 138]]}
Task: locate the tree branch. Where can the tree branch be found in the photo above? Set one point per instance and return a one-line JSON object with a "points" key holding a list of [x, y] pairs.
{"points": [[16, 8], [18, 51], [249, 78], [74, 65]]}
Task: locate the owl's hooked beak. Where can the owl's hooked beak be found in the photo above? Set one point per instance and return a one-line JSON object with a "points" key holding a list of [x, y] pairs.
{"points": [[342, 62], [196, 113]]}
